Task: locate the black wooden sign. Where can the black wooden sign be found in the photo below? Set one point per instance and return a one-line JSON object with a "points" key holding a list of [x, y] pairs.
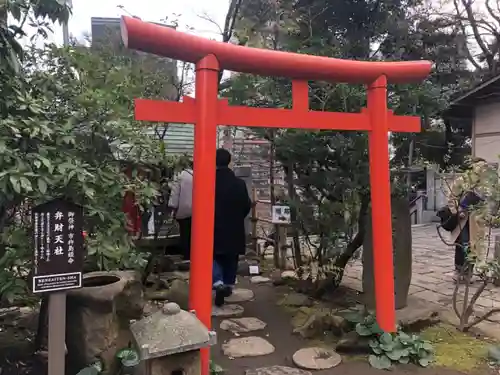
{"points": [[57, 246]]}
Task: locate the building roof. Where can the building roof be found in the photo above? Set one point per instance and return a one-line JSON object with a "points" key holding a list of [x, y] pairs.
{"points": [[101, 27], [487, 91], [179, 138], [105, 21]]}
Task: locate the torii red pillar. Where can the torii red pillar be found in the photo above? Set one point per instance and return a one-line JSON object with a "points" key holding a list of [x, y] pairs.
{"points": [[206, 111]]}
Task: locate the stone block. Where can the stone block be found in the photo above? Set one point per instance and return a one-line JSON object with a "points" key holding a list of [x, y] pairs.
{"points": [[170, 331], [402, 250], [418, 314], [182, 363], [93, 322]]}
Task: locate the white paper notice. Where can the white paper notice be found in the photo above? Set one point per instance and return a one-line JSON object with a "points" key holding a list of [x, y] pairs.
{"points": [[254, 270]]}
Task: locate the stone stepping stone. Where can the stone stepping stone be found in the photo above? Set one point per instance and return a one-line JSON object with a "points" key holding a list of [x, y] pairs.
{"points": [[240, 295], [289, 275], [251, 346], [260, 280], [296, 300], [227, 310], [240, 325], [316, 358], [277, 370]]}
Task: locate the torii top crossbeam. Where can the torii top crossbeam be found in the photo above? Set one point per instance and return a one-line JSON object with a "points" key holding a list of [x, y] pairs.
{"points": [[165, 41], [206, 111]]}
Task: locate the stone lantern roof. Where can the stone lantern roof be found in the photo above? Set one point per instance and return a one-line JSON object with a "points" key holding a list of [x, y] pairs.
{"points": [[170, 331]]}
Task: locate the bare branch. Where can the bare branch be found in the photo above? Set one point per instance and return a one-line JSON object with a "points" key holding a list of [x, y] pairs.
{"points": [[227, 33], [492, 12], [475, 297], [473, 24], [462, 27], [481, 318], [454, 300], [232, 15], [206, 17]]}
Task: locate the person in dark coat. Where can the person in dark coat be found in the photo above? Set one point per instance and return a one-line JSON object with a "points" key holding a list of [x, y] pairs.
{"points": [[232, 205]]}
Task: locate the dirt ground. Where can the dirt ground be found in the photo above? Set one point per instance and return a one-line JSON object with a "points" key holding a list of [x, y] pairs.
{"points": [[16, 343], [16, 352], [279, 333]]}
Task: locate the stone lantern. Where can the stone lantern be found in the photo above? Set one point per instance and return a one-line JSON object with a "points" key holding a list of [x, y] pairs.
{"points": [[169, 341]]}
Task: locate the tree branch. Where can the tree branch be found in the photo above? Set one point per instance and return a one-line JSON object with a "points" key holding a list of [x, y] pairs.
{"points": [[481, 318], [473, 24], [467, 51], [492, 12]]}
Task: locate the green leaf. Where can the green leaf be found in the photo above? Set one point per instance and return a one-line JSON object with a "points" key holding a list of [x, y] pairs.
{"points": [[427, 346], [370, 319], [395, 355], [374, 327], [380, 362], [98, 365], [404, 360], [352, 317], [377, 350], [26, 184], [386, 338], [215, 369], [91, 370], [404, 338], [16, 184], [374, 343], [387, 347], [42, 185], [493, 351], [89, 192], [46, 162], [126, 353], [424, 362], [363, 330]]}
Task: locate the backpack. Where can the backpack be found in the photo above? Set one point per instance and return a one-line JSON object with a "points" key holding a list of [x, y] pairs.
{"points": [[449, 220]]}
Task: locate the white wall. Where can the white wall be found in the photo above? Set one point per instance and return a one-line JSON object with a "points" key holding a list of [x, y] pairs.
{"points": [[488, 148], [486, 132]]}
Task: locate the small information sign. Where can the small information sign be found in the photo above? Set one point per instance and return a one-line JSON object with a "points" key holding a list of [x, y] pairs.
{"points": [[281, 215], [57, 246], [254, 270]]}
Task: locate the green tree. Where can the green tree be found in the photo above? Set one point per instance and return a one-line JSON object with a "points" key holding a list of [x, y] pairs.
{"points": [[68, 131], [38, 14], [330, 169], [424, 39], [478, 24]]}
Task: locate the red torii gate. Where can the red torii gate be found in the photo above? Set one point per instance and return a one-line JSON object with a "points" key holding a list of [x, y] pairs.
{"points": [[206, 111]]}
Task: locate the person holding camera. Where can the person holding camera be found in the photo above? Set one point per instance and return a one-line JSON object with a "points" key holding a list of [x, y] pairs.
{"points": [[462, 216]]}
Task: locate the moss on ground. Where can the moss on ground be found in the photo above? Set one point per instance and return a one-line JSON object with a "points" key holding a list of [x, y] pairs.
{"points": [[453, 349], [457, 350]]}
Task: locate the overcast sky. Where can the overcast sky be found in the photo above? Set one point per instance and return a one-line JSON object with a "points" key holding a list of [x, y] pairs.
{"points": [[148, 10]]}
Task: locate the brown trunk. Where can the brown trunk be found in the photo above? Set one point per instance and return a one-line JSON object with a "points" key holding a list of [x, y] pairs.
{"points": [[293, 215], [272, 152], [402, 254], [342, 260]]}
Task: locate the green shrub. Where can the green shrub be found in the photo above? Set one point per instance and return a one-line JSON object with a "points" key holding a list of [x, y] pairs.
{"points": [[394, 348]]}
